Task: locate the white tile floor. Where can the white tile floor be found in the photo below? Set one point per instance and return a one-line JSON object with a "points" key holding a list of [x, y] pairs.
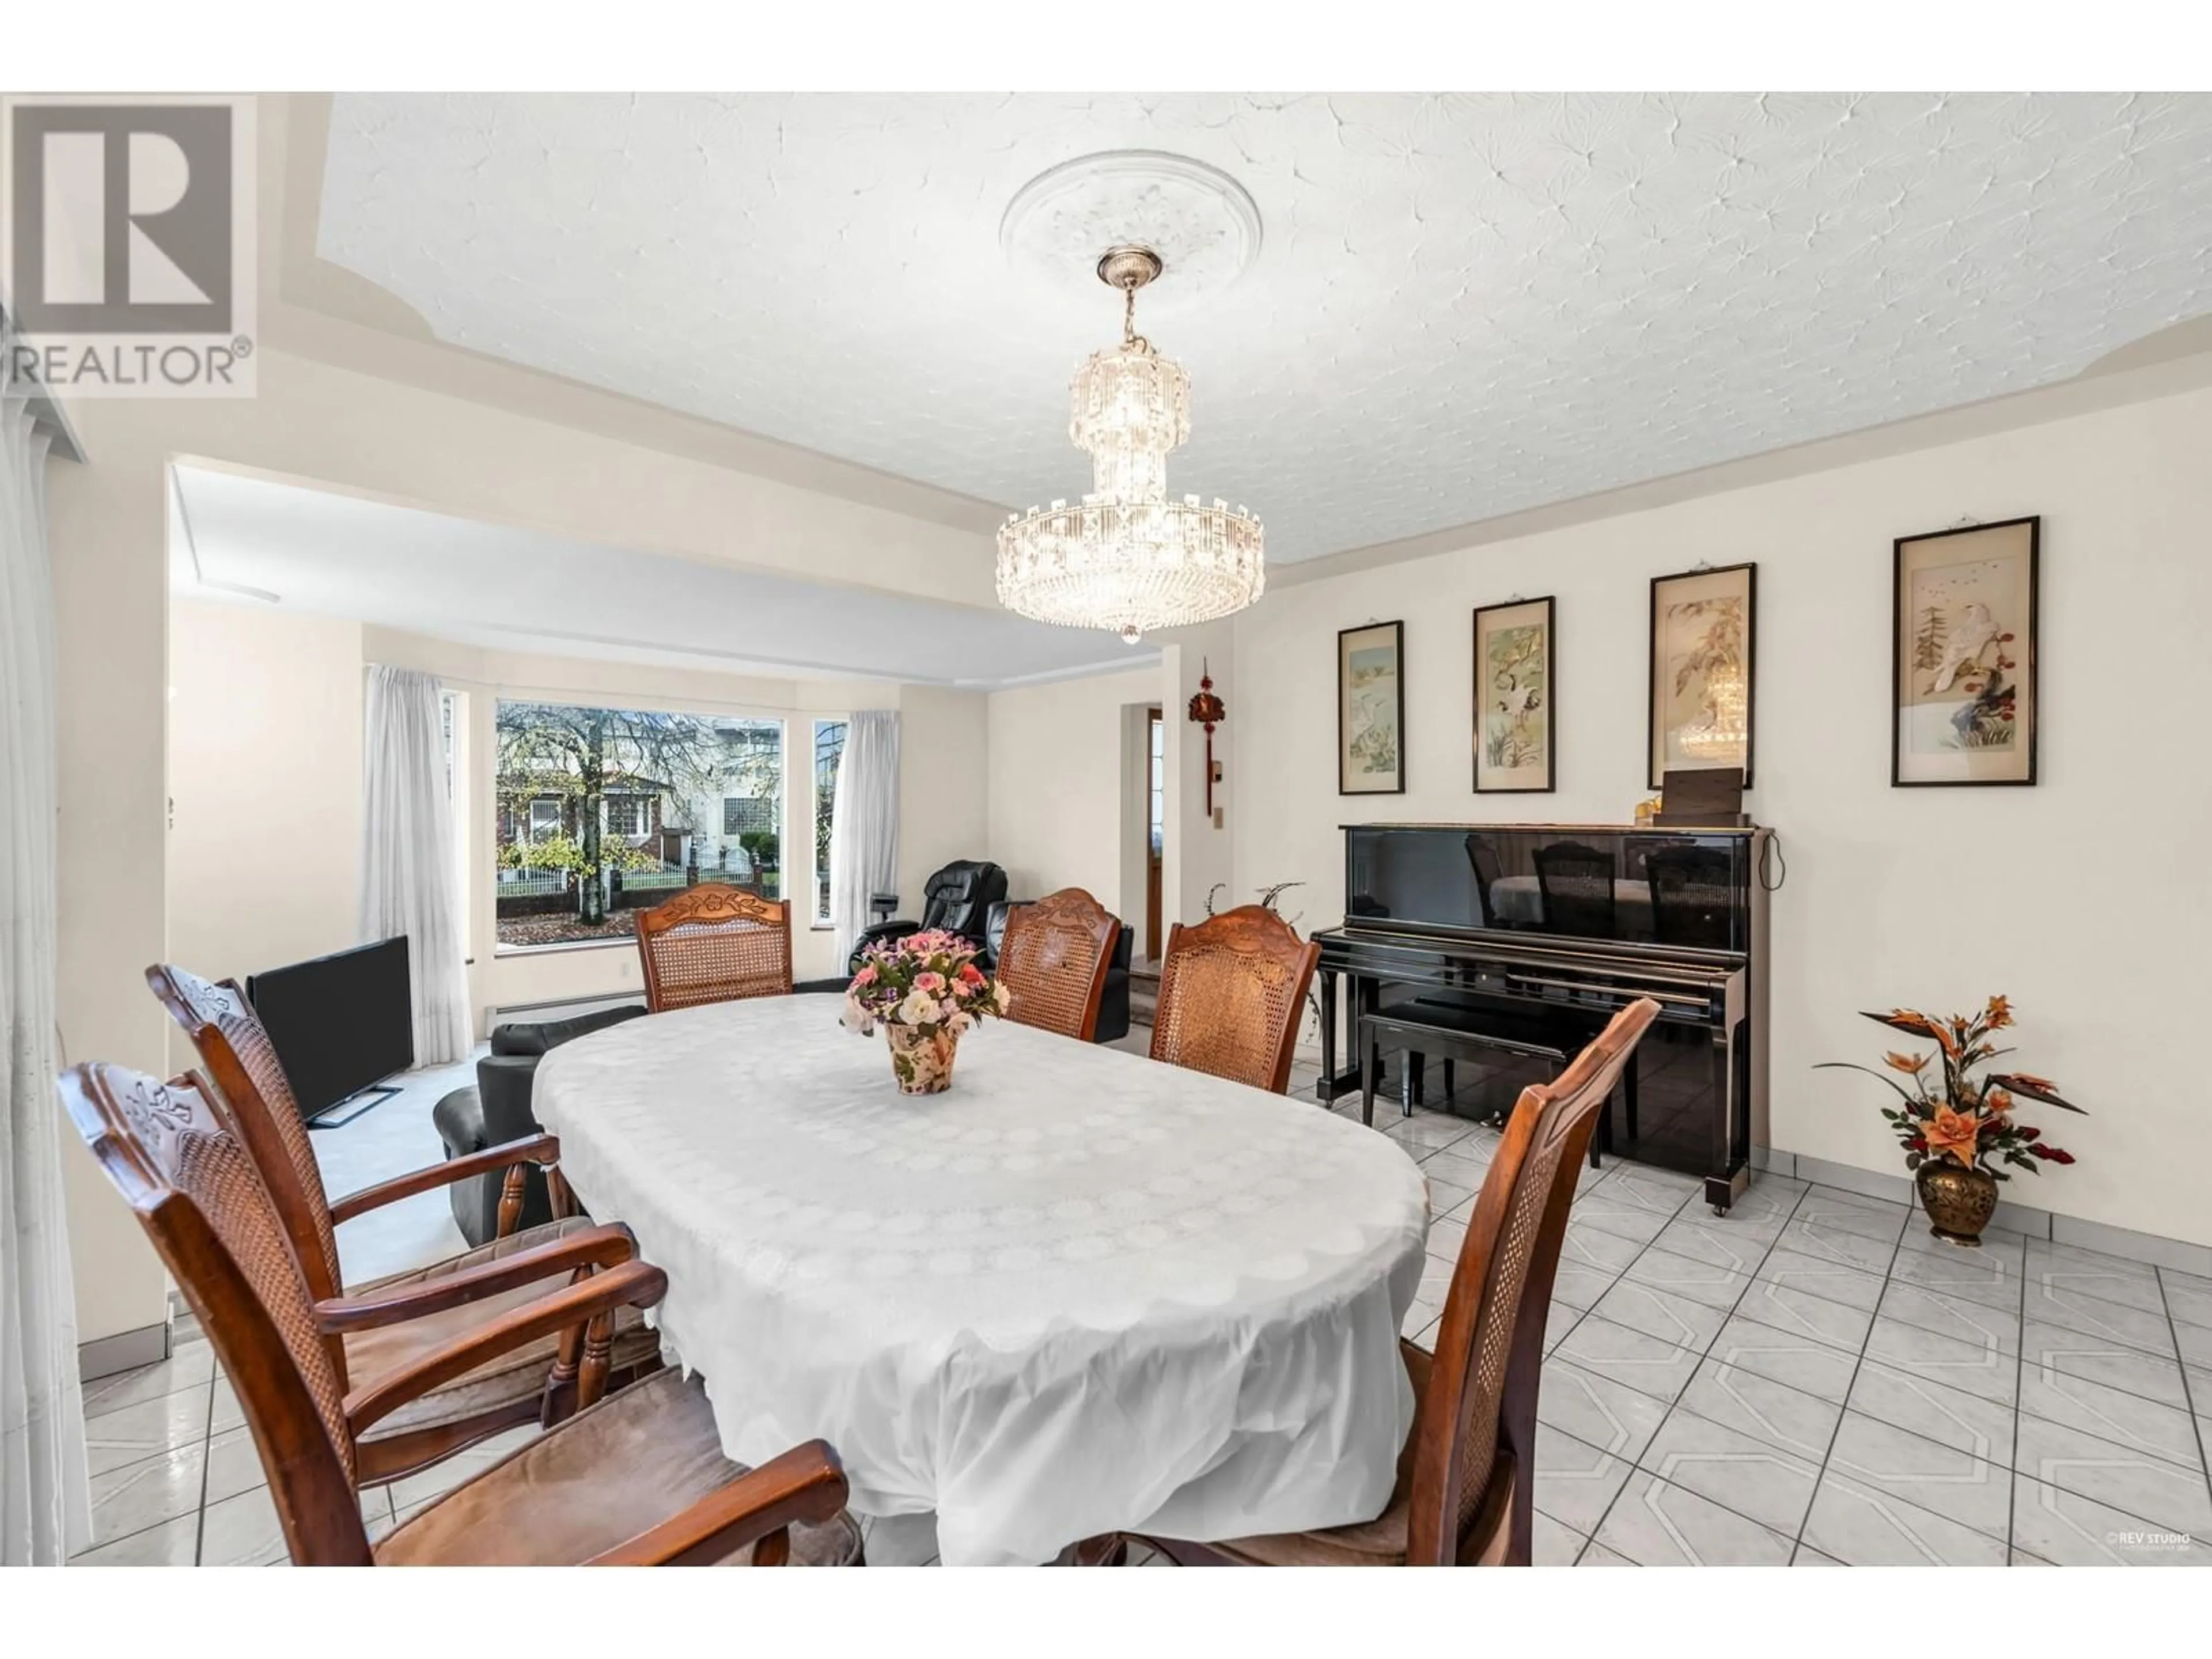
{"points": [[1811, 1381]]}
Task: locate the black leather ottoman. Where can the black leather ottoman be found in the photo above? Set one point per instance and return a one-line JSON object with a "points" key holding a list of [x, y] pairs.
{"points": [[497, 1110]]}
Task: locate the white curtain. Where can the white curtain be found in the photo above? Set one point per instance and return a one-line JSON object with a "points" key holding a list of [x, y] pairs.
{"points": [[864, 823], [45, 1510], [408, 883]]}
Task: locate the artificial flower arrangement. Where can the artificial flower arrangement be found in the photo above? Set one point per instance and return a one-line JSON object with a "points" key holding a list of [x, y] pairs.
{"points": [[1952, 1122], [925, 990]]}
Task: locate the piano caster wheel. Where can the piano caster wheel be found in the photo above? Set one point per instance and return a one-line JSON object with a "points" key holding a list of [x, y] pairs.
{"points": [[1720, 1209]]}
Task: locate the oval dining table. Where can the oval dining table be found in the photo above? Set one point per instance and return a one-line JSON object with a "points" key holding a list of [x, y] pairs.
{"points": [[1080, 1291]]}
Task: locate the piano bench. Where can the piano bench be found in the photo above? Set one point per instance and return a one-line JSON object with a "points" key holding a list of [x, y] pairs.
{"points": [[1452, 1033]]}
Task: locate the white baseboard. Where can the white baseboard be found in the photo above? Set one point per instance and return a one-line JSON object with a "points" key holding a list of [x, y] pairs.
{"points": [[2174, 1253]]}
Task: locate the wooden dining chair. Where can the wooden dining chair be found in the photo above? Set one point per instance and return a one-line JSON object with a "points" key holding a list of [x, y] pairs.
{"points": [[1466, 1474], [382, 1326], [637, 1477], [1232, 992], [714, 944], [1053, 962]]}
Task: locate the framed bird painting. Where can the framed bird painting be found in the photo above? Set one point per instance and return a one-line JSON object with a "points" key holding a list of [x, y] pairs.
{"points": [[1516, 691], [1963, 687]]}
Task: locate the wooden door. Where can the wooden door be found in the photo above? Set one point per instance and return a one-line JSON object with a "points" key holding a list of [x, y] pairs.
{"points": [[1156, 744]]}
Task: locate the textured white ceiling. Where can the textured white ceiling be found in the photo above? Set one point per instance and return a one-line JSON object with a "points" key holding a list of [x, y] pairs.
{"points": [[321, 554], [1463, 306]]}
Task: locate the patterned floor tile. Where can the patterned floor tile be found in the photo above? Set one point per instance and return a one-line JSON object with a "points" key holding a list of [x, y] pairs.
{"points": [[2057, 1351], [1671, 1318], [172, 1544], [1824, 1238], [1554, 1543], [1459, 1171], [1598, 1556], [2071, 1530], [1656, 1524], [1626, 1219], [2124, 1419], [1934, 1411], [1559, 1319], [1784, 1417], [1445, 1237], [1764, 1482], [2059, 1303], [1424, 1132], [2163, 1494], [1594, 1247], [1723, 1244], [135, 1433], [1597, 1410], [1863, 1526], [1813, 1367], [1983, 1276], [1643, 1363], [1803, 1314], [1871, 1218], [1974, 1367], [1830, 1281], [1949, 1315], [1807, 1556], [1699, 1281], [146, 1493], [1942, 1479], [1575, 1482], [2091, 1273], [2188, 1298], [1579, 1287]]}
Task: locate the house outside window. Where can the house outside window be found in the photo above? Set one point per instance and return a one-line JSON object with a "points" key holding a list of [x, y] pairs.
{"points": [[605, 811]]}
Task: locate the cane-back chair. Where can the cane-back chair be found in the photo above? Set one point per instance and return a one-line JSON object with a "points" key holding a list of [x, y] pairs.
{"points": [[638, 1477], [714, 944], [1693, 900], [382, 1326], [1576, 884], [1467, 1473], [1053, 962], [1232, 992]]}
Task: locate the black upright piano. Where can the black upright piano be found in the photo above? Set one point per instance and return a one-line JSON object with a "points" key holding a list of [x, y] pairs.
{"points": [[1536, 934]]}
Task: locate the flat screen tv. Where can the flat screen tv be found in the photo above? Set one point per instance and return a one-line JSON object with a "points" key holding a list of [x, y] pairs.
{"points": [[341, 1024]]}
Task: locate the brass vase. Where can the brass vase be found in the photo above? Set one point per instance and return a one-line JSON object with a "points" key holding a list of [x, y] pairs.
{"points": [[1959, 1200]]}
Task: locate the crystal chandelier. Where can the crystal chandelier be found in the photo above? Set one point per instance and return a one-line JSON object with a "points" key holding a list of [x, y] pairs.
{"points": [[1126, 557]]}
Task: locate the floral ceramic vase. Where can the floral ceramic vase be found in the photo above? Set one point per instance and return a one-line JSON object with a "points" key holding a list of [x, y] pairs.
{"points": [[922, 1057]]}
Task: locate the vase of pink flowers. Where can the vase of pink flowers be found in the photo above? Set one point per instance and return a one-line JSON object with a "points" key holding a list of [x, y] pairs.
{"points": [[925, 990]]}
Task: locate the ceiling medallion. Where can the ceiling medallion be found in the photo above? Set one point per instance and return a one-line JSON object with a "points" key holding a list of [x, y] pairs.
{"points": [[1125, 557]]}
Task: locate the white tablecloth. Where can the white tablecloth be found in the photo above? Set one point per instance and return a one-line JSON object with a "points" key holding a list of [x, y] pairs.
{"points": [[1080, 1291], [1521, 898]]}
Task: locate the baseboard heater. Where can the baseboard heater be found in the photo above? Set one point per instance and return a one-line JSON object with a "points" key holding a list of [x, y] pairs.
{"points": [[524, 1013]]}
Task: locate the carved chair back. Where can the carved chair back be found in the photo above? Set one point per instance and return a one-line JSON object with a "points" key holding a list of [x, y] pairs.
{"points": [[714, 944], [1474, 1466], [197, 1192], [1232, 992], [242, 1062], [1053, 962]]}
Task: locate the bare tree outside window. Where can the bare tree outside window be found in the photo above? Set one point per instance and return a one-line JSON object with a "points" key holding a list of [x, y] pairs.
{"points": [[603, 811]]}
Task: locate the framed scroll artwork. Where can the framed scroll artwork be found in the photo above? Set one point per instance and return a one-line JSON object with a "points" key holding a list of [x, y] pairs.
{"points": [[1703, 626], [1516, 695], [1370, 709], [1962, 694]]}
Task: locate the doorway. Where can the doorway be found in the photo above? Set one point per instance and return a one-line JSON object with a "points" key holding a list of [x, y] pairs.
{"points": [[1155, 746]]}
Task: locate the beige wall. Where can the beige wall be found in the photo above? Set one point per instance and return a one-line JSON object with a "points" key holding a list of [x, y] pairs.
{"points": [[266, 718], [318, 423], [2084, 898], [264, 780], [1055, 791]]}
